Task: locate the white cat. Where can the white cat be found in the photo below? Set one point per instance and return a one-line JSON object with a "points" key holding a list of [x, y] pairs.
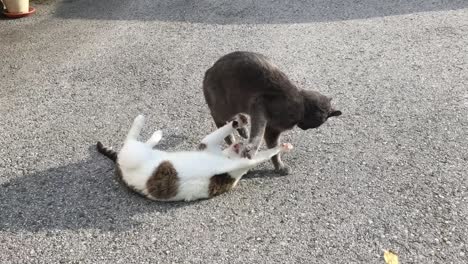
{"points": [[187, 175]]}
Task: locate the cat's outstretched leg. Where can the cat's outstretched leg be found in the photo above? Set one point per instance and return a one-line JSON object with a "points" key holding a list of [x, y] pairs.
{"points": [[262, 156], [213, 140], [136, 128], [265, 155], [154, 139]]}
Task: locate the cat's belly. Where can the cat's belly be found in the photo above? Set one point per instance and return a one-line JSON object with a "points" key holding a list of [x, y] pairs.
{"points": [[190, 190], [138, 178], [177, 176], [193, 165]]}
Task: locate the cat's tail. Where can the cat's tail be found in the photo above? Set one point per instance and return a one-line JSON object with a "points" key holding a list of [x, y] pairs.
{"points": [[110, 153]]}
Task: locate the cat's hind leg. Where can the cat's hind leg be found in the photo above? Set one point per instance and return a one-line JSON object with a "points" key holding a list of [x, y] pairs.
{"points": [[154, 139], [136, 128], [213, 140], [272, 139], [134, 153], [257, 129]]}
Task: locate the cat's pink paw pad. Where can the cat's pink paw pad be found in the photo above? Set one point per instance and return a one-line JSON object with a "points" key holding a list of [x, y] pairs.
{"points": [[237, 147], [286, 147], [240, 120]]}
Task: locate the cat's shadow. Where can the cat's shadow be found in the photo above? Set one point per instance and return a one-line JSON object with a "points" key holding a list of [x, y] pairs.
{"points": [[262, 173], [76, 196], [83, 195]]}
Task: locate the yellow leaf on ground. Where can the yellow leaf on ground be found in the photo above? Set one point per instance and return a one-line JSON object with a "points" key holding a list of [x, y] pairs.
{"points": [[390, 257]]}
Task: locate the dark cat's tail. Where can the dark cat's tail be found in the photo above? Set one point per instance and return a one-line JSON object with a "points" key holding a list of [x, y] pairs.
{"points": [[111, 154]]}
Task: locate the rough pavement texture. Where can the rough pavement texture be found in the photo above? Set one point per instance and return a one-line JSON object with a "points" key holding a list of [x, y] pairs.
{"points": [[390, 173]]}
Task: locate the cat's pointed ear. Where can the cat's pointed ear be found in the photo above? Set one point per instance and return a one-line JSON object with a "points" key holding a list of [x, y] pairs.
{"points": [[335, 113]]}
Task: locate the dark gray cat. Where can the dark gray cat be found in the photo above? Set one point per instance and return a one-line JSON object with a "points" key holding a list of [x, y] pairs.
{"points": [[247, 82]]}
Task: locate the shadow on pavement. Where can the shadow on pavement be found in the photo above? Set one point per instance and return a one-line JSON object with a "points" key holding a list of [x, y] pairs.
{"points": [[78, 195], [263, 173], [247, 11], [82, 195]]}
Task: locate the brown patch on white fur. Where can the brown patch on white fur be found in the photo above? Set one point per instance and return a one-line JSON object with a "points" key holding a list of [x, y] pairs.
{"points": [[239, 120], [220, 184], [164, 183], [243, 118]]}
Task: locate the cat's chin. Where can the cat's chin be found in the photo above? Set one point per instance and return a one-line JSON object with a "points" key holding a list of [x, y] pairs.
{"points": [[301, 126], [309, 126]]}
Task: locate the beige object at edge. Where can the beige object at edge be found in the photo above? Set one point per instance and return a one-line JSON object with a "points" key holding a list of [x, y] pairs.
{"points": [[16, 6]]}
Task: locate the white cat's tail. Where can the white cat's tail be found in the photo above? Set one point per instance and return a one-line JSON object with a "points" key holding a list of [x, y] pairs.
{"points": [[136, 128]]}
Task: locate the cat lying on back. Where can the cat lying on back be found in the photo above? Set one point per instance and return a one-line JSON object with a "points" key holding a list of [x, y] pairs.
{"points": [[247, 82], [188, 175]]}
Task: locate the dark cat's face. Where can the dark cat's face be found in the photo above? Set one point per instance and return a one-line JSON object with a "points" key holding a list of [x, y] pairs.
{"points": [[317, 109]]}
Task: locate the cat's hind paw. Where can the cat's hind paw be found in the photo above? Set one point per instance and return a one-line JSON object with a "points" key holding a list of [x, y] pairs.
{"points": [[155, 138], [140, 119], [239, 121]]}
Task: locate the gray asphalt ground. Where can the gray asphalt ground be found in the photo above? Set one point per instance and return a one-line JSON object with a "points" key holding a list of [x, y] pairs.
{"points": [[390, 173]]}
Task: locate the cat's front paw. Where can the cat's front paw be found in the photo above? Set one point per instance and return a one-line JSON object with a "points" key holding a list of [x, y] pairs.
{"points": [[286, 147], [239, 121], [248, 151]]}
